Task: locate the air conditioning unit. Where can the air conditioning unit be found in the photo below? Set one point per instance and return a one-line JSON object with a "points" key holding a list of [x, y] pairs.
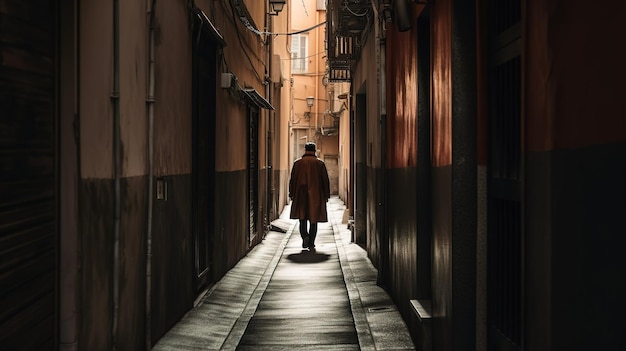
{"points": [[228, 80]]}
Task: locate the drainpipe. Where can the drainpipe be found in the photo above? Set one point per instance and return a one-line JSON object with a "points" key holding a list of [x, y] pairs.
{"points": [[383, 152], [115, 99], [382, 103], [269, 130], [150, 111], [318, 123]]}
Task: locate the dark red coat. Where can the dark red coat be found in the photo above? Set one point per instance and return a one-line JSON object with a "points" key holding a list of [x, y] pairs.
{"points": [[309, 188]]}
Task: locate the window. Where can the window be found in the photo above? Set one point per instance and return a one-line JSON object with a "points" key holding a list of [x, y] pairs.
{"points": [[299, 53]]}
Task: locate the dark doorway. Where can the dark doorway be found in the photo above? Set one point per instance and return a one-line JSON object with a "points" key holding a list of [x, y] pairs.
{"points": [[204, 85], [253, 170], [424, 197], [505, 226], [360, 167]]}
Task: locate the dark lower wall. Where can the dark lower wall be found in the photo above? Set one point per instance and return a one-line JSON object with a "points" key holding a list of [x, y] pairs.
{"points": [[132, 308], [231, 220], [538, 241], [402, 226], [281, 189], [173, 283], [96, 213], [265, 209], [584, 251], [374, 234], [360, 208], [96, 227], [442, 257], [454, 256]]}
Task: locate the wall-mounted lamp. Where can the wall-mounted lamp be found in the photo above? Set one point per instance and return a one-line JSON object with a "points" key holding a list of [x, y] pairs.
{"points": [[309, 104], [276, 6]]}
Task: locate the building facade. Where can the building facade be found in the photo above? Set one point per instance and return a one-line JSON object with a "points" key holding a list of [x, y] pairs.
{"points": [[489, 145], [315, 109], [141, 157]]}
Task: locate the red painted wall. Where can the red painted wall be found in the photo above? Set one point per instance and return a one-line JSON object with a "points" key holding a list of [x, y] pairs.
{"points": [[441, 61], [575, 75], [401, 98]]}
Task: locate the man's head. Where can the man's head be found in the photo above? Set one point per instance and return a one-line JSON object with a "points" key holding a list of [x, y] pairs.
{"points": [[310, 146]]}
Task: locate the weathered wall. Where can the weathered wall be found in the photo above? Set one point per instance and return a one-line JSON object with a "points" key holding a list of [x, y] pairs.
{"points": [[283, 162], [172, 155], [172, 259], [96, 168], [575, 142], [401, 166], [367, 149], [441, 57], [134, 184], [345, 145], [454, 174], [96, 171], [231, 144]]}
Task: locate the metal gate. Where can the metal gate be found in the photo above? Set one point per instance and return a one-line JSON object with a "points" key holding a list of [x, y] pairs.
{"points": [[505, 226], [28, 176]]}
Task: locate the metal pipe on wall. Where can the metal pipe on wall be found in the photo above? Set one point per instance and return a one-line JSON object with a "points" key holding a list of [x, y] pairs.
{"points": [[69, 171], [150, 112], [318, 123], [268, 84], [115, 99], [381, 195]]}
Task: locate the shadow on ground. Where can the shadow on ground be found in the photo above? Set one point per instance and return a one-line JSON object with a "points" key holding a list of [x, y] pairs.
{"points": [[308, 257]]}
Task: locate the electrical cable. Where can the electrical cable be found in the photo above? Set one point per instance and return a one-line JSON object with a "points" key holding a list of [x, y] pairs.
{"points": [[258, 76], [251, 28]]}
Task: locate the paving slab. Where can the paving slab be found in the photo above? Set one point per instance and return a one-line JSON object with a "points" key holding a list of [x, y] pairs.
{"points": [[306, 302]]}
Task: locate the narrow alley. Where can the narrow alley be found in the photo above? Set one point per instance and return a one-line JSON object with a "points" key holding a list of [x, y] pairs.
{"points": [[474, 152], [283, 297]]}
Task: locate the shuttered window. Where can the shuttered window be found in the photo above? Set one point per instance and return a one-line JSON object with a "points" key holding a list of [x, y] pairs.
{"points": [[299, 53]]}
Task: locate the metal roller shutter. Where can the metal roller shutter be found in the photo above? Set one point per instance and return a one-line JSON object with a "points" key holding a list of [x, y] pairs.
{"points": [[28, 230]]}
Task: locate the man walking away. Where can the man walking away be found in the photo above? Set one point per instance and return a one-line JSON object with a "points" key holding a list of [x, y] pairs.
{"points": [[309, 188]]}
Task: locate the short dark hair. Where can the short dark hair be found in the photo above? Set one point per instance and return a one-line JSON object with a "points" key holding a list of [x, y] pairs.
{"points": [[310, 146]]}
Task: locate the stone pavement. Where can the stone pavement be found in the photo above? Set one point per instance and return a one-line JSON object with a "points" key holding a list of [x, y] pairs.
{"points": [[282, 297]]}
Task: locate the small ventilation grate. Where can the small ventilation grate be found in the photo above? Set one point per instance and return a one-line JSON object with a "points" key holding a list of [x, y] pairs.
{"points": [[381, 309]]}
